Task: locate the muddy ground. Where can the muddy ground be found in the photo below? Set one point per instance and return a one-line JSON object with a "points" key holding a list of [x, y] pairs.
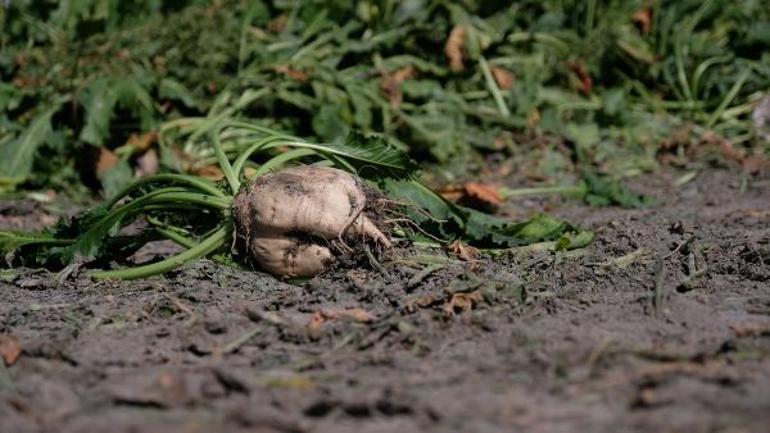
{"points": [[661, 325]]}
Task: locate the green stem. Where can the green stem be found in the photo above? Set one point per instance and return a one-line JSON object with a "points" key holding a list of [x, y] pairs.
{"points": [[205, 247], [184, 197], [492, 85], [729, 98], [281, 159], [521, 192], [245, 155], [193, 181], [224, 162]]}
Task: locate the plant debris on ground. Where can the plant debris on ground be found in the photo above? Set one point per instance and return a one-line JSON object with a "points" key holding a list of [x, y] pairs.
{"points": [[574, 193]]}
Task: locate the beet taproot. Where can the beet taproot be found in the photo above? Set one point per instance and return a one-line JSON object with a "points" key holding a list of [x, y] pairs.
{"points": [[287, 221]]}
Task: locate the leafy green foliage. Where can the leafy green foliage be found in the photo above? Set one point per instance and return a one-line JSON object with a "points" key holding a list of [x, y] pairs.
{"points": [[444, 220], [594, 73], [17, 154], [601, 191]]}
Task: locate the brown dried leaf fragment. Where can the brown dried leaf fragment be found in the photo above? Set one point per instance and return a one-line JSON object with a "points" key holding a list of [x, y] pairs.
{"points": [[278, 24], [142, 142], [455, 48], [106, 160], [464, 251], [391, 84], [10, 349], [504, 78], [462, 302], [643, 19], [325, 315], [483, 193], [294, 74]]}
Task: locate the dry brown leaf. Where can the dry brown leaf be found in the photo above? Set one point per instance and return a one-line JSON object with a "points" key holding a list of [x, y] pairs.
{"points": [[755, 164], [391, 84], [452, 193], [424, 301], [462, 302], [10, 349], [277, 24], [503, 77], [106, 160], [586, 83], [455, 47], [483, 193], [464, 251], [294, 74], [325, 315], [142, 142], [643, 19], [210, 172]]}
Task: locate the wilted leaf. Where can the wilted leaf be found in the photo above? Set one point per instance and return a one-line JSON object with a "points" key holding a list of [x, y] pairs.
{"points": [[462, 302], [325, 315], [483, 194], [391, 84], [292, 73], [455, 48], [503, 77], [106, 160], [464, 251], [10, 349]]}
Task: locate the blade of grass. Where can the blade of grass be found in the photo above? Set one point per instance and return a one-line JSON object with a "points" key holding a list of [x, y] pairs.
{"points": [[493, 89], [728, 99]]}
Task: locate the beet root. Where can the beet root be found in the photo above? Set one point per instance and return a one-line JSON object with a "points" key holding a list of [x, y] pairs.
{"points": [[286, 220]]}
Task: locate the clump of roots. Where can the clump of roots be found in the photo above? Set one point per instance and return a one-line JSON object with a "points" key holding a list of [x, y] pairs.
{"points": [[298, 221]]}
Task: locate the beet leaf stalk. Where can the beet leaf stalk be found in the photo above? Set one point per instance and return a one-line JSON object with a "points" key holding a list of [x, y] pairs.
{"points": [[192, 211]]}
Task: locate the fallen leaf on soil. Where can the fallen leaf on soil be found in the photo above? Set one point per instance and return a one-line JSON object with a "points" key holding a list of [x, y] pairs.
{"points": [[643, 19], [464, 251], [147, 164], [390, 84], [455, 45], [325, 315], [755, 164], [483, 193], [142, 142], [294, 74], [424, 301], [473, 194], [462, 302], [503, 77], [107, 160], [10, 349]]}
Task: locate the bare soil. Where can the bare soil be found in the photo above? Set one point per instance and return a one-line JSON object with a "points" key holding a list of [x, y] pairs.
{"points": [[662, 324]]}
